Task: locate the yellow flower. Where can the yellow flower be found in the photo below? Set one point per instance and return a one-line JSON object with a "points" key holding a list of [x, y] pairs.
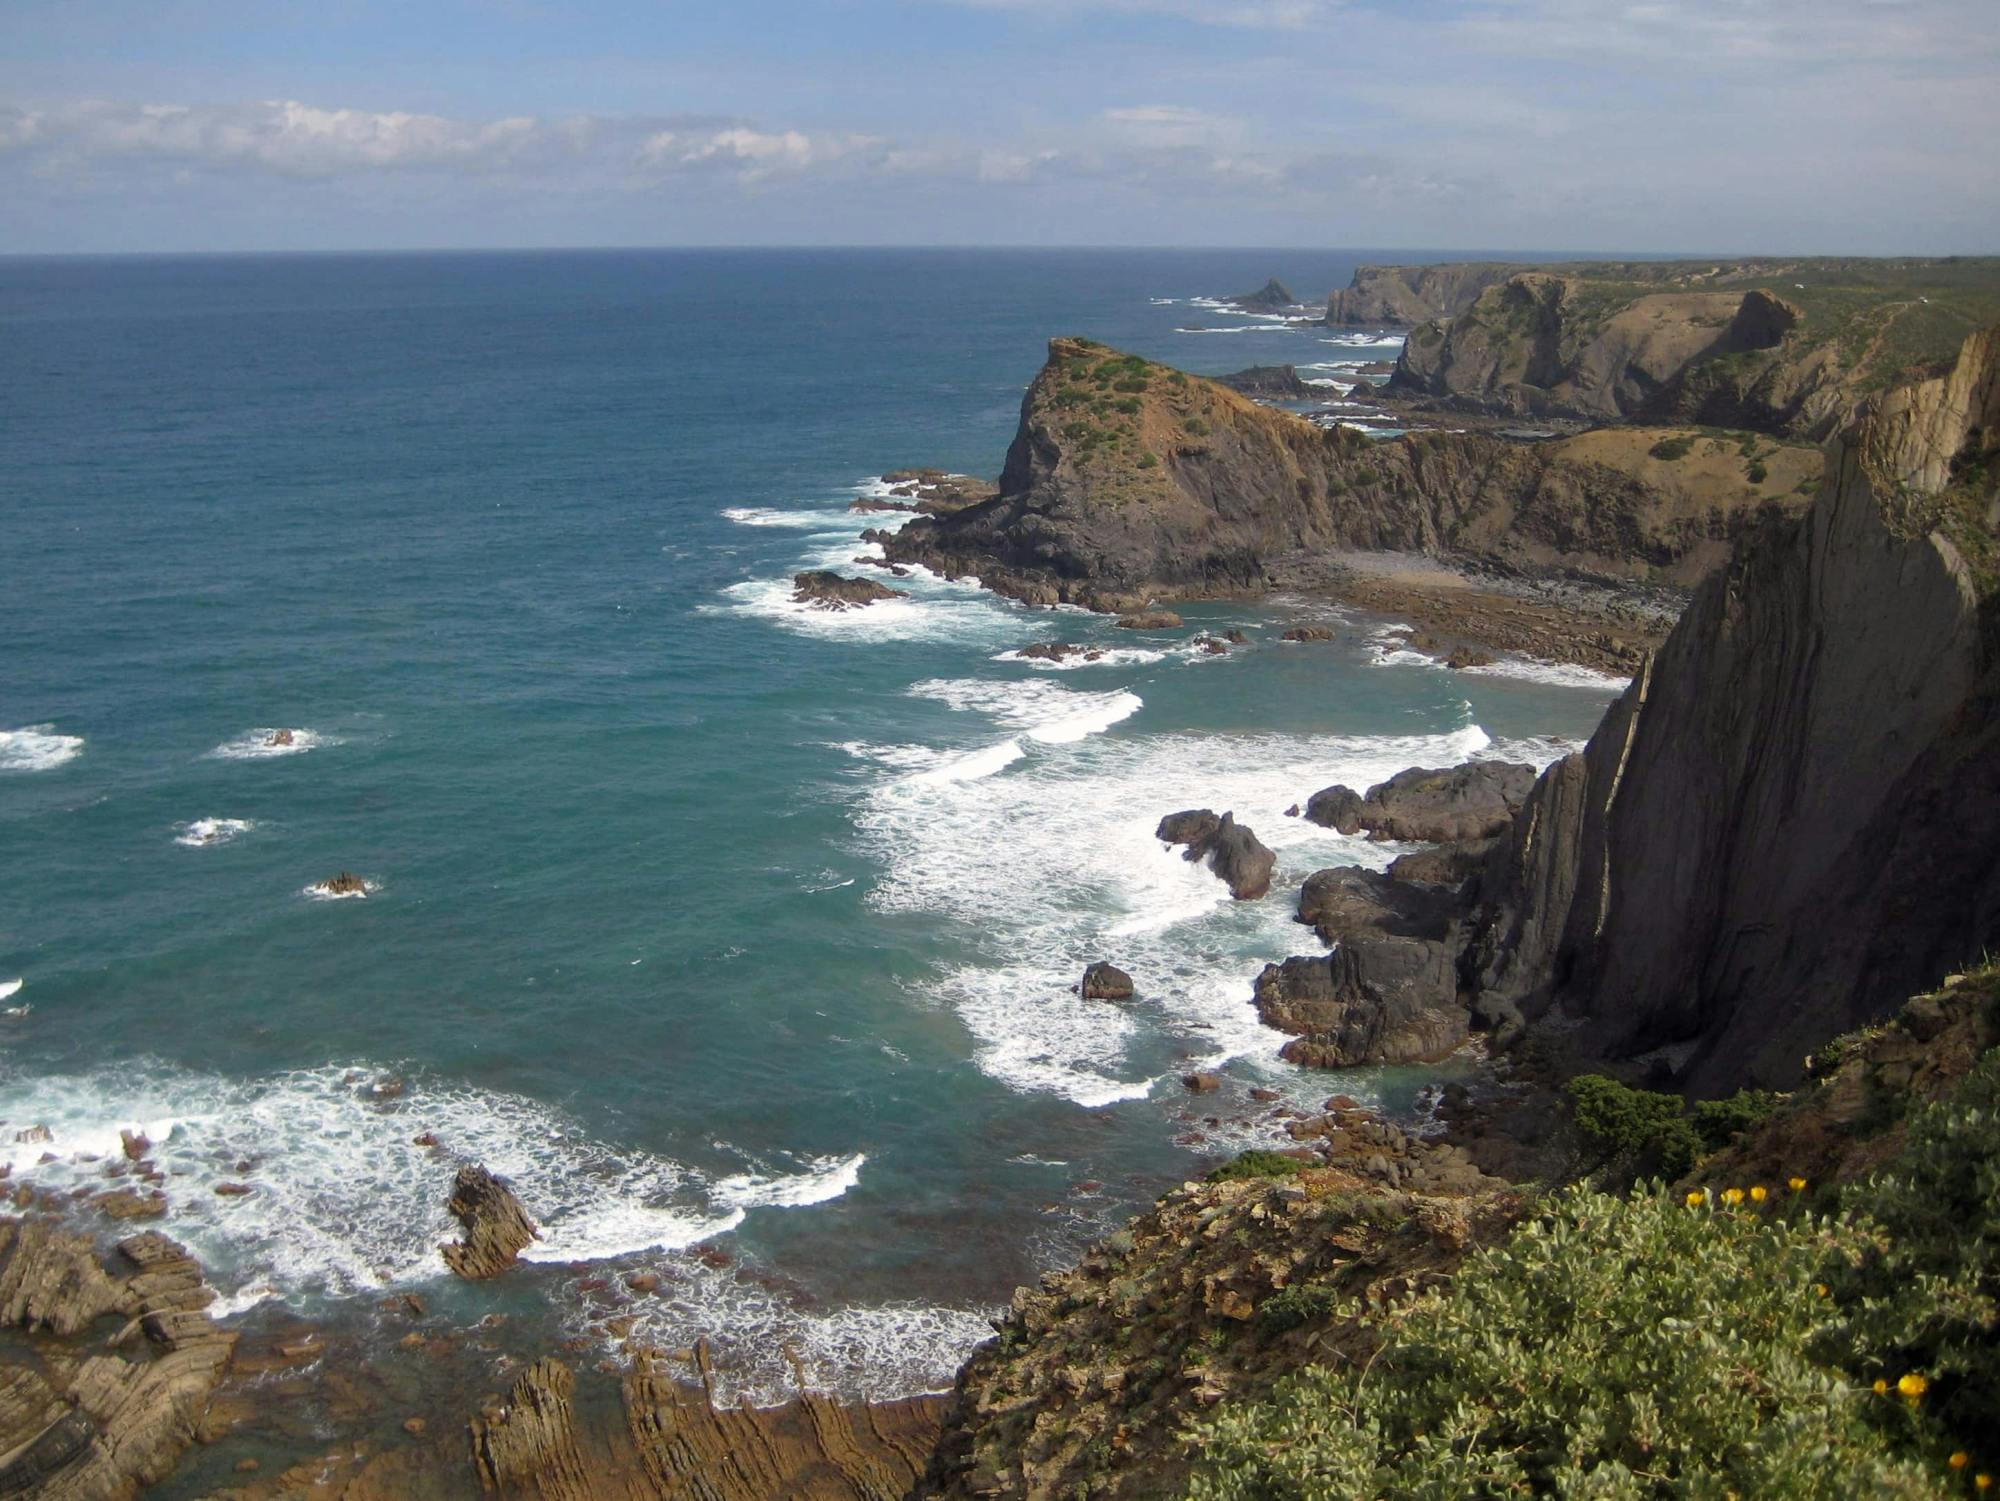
{"points": [[1913, 1386], [1819, 1289], [1981, 1482], [1759, 1194], [1732, 1196], [1881, 1387], [1798, 1185], [1959, 1460], [1696, 1198]]}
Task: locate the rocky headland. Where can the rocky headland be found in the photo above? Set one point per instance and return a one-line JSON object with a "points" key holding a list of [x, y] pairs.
{"points": [[1785, 347], [1129, 483]]}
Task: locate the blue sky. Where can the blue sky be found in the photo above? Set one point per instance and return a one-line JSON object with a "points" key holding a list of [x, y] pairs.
{"points": [[1732, 125]]}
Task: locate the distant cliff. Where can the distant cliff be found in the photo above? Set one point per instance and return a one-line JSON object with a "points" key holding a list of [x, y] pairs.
{"points": [[1398, 296], [1792, 817], [1782, 347], [1128, 480]]}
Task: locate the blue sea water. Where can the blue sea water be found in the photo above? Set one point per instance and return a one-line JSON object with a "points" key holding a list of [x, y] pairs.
{"points": [[739, 935]]}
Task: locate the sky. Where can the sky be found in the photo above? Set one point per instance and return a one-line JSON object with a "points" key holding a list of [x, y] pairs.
{"points": [[1836, 126]]}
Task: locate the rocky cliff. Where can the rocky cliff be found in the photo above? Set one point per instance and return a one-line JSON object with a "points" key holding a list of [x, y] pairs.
{"points": [[1127, 480], [1777, 347], [1792, 817], [1398, 296]]}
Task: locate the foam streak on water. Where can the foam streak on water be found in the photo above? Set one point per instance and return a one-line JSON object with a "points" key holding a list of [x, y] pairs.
{"points": [[37, 747]]}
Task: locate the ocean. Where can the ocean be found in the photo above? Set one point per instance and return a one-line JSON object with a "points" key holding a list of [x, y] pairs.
{"points": [[739, 936]]}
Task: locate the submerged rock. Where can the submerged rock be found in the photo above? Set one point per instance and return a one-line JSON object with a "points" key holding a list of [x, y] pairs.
{"points": [[826, 590], [1233, 852], [280, 737], [496, 1226]]}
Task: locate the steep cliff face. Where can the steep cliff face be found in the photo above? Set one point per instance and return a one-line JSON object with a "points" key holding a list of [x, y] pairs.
{"points": [[1784, 348], [1398, 296], [1128, 480], [1792, 817]]}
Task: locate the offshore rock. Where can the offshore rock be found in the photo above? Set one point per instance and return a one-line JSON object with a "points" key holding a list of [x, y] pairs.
{"points": [[1151, 620], [1269, 383], [496, 1226], [1477, 800], [1106, 982], [826, 590], [1273, 297], [1232, 851]]}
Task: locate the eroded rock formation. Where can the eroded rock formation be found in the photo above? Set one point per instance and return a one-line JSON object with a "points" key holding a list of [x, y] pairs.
{"points": [[496, 1227], [825, 590], [1231, 850]]}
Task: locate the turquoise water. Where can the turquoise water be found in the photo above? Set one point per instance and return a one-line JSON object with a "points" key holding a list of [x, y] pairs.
{"points": [[713, 922]]}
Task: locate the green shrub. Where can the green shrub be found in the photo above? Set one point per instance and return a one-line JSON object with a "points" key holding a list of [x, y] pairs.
{"points": [[1611, 1347], [1149, 460], [1927, 1297], [1256, 1163], [1634, 1131], [1195, 426], [1717, 1122], [1292, 1306], [1127, 404], [1757, 473], [1672, 448], [1132, 383]]}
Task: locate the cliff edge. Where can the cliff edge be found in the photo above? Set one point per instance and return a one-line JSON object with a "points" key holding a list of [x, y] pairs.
{"points": [[1792, 817]]}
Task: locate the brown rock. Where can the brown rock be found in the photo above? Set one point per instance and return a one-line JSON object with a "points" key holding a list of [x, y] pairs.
{"points": [[135, 1144], [1310, 633], [1150, 620], [346, 883], [127, 1204], [496, 1226], [280, 737], [1202, 1083], [1106, 982], [233, 1190]]}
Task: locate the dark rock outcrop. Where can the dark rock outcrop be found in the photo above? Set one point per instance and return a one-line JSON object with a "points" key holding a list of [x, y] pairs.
{"points": [[1273, 297], [1389, 991], [935, 492], [825, 590], [1792, 818], [496, 1227], [1056, 651], [1232, 851], [1477, 800], [346, 883], [1269, 383], [1151, 620], [1104, 981]]}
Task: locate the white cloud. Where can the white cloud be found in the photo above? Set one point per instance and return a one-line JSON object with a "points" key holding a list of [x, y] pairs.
{"points": [[751, 154]]}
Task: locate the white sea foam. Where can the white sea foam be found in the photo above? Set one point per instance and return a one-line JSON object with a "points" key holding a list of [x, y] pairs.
{"points": [[970, 767], [201, 832], [255, 745], [9, 988], [1057, 865], [342, 1199], [1366, 341], [1390, 651], [1106, 656], [796, 520], [37, 747], [1247, 328], [821, 1179]]}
